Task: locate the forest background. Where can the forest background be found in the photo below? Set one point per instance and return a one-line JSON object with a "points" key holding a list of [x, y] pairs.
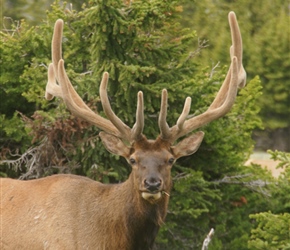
{"points": [[148, 45]]}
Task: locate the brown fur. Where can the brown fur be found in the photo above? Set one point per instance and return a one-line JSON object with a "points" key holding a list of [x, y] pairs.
{"points": [[53, 213]]}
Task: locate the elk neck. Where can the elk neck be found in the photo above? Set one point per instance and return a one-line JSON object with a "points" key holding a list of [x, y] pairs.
{"points": [[142, 218]]}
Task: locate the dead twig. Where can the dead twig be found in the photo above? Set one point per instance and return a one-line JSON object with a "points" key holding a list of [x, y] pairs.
{"points": [[207, 239], [257, 185]]}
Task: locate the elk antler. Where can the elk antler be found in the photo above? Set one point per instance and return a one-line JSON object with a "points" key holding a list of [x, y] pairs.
{"points": [[65, 90], [236, 77]]}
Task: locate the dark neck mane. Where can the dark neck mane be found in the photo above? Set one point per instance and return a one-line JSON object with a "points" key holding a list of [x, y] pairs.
{"points": [[143, 227], [144, 219]]}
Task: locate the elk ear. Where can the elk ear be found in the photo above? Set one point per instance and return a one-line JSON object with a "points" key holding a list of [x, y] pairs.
{"points": [[114, 145], [188, 146]]}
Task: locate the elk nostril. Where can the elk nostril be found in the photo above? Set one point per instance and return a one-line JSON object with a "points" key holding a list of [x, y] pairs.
{"points": [[152, 184]]}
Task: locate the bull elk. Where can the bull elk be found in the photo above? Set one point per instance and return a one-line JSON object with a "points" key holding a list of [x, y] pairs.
{"points": [[73, 212]]}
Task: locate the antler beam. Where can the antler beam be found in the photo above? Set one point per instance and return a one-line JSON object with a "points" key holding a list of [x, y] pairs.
{"points": [[59, 85], [236, 77]]}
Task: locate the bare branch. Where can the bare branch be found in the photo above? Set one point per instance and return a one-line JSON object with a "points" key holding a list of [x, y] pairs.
{"points": [[213, 70], [201, 44], [11, 31], [207, 239], [38, 161], [255, 185]]}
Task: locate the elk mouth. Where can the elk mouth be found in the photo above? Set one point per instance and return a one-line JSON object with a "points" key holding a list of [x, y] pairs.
{"points": [[151, 196]]}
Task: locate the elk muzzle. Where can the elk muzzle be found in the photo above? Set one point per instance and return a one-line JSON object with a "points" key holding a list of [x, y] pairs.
{"points": [[152, 189]]}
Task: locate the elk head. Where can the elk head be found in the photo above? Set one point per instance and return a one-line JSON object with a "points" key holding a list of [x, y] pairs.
{"points": [[151, 160]]}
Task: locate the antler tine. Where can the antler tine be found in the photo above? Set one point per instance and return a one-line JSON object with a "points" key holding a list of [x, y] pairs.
{"points": [[236, 77], [56, 47], [122, 127], [184, 114], [237, 47], [52, 89], [165, 131], [139, 125]]}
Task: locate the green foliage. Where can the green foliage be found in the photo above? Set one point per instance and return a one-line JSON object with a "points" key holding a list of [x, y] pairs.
{"points": [[272, 232], [282, 157], [272, 229], [282, 189], [273, 65], [23, 9]]}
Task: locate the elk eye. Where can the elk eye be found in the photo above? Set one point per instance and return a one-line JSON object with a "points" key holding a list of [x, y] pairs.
{"points": [[132, 160], [171, 160]]}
